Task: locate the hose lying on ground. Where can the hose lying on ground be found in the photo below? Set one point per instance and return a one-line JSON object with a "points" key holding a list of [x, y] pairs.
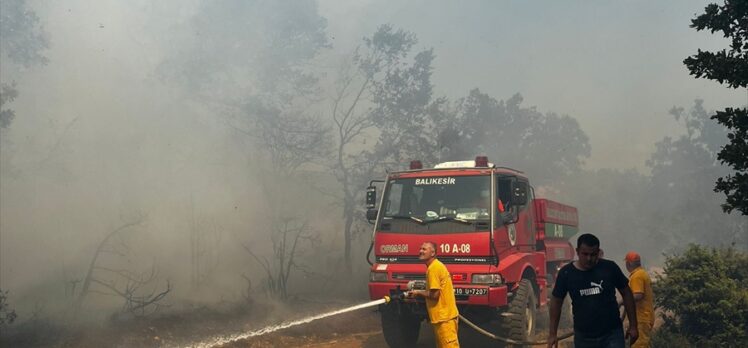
{"points": [[509, 340]]}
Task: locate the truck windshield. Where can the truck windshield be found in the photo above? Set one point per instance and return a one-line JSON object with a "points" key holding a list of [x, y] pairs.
{"points": [[433, 199]]}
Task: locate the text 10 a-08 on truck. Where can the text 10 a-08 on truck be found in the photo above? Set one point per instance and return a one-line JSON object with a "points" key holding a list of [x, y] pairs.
{"points": [[501, 244]]}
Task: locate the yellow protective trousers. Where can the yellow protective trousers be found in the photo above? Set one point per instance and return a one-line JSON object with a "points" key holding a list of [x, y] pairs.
{"points": [[645, 332], [445, 333]]}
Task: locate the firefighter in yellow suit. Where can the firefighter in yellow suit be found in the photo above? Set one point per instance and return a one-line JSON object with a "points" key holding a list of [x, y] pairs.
{"points": [[440, 298], [641, 286]]}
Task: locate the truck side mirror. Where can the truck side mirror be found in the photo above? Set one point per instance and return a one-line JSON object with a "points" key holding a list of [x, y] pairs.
{"points": [[519, 193], [371, 203], [508, 218], [371, 198], [371, 214]]}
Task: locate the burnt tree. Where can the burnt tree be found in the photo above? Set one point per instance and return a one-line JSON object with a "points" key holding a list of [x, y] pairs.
{"points": [[137, 290]]}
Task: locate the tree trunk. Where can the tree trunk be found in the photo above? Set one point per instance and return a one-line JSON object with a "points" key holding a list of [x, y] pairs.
{"points": [[348, 215], [348, 237]]}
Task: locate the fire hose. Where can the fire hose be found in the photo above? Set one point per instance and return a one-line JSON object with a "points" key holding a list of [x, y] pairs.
{"points": [[414, 285], [509, 340]]}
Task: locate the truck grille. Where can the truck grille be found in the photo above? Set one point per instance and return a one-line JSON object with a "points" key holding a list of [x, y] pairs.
{"points": [[491, 260], [407, 226], [408, 276]]}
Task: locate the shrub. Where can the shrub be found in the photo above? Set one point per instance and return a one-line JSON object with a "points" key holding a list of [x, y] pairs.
{"points": [[704, 296]]}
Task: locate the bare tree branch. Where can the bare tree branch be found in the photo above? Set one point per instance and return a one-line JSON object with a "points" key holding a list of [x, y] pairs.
{"points": [[103, 246]]}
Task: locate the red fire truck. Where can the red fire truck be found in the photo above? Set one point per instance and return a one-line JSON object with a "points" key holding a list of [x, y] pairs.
{"points": [[501, 245]]}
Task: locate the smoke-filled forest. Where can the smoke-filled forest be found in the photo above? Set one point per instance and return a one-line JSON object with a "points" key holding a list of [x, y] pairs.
{"points": [[172, 171]]}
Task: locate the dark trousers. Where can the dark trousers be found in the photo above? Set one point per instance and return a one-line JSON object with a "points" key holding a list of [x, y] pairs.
{"points": [[613, 339]]}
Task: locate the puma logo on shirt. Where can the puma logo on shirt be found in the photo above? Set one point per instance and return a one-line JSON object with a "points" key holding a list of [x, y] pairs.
{"points": [[596, 289]]}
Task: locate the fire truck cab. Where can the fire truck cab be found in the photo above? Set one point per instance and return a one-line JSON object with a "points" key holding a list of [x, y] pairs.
{"points": [[501, 244]]}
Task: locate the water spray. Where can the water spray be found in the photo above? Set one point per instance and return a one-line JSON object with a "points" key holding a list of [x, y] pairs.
{"points": [[236, 337], [398, 295]]}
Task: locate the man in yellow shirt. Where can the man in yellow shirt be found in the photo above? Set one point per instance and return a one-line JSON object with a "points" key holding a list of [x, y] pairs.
{"points": [[440, 298], [641, 286]]}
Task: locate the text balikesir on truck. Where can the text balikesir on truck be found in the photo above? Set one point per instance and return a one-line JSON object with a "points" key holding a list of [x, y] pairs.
{"points": [[501, 245]]}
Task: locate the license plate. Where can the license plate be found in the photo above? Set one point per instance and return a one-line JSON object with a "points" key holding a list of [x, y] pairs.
{"points": [[471, 291]]}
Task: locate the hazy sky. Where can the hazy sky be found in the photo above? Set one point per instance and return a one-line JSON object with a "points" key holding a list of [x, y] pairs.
{"points": [[616, 66], [99, 137]]}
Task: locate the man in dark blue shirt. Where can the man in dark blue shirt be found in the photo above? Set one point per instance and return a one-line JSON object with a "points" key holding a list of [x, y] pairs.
{"points": [[591, 283]]}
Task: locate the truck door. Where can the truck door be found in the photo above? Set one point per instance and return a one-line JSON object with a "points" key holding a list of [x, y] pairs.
{"points": [[517, 219], [524, 225]]}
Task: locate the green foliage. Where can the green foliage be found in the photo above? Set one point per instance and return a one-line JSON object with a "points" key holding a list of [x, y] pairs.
{"points": [[667, 209], [683, 202], [370, 93], [23, 42], [728, 67], [735, 153], [704, 295], [231, 48], [8, 93], [24, 39], [402, 113], [7, 315], [250, 59], [387, 93], [731, 67], [384, 90], [549, 147], [668, 339]]}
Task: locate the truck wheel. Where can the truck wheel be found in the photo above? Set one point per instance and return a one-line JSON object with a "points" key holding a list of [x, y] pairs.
{"points": [[400, 327], [519, 321]]}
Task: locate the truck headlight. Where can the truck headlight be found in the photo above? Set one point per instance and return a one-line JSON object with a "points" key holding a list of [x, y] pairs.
{"points": [[378, 277], [490, 279]]}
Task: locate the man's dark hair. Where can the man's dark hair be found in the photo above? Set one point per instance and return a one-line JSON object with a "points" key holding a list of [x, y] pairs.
{"points": [[433, 245], [588, 239]]}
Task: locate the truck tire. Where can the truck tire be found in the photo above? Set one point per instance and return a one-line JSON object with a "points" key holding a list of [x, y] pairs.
{"points": [[519, 321], [400, 327]]}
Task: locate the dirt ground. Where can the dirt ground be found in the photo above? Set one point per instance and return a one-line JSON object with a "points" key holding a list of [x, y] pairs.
{"points": [[357, 330], [360, 331]]}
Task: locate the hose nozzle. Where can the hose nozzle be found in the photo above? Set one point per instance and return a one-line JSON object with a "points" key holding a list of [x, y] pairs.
{"points": [[396, 297]]}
